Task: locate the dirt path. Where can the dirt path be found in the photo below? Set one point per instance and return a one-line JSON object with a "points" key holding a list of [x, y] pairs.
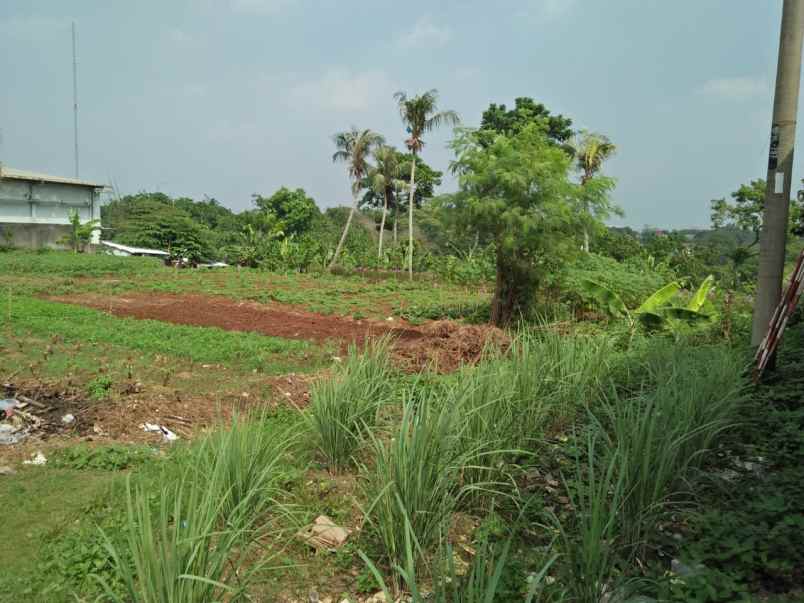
{"points": [[276, 320], [443, 345]]}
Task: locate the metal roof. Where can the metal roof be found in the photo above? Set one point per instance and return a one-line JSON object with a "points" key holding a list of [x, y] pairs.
{"points": [[134, 250], [13, 174]]}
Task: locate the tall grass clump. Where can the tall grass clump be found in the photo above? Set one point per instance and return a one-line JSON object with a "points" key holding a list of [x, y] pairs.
{"points": [[415, 483], [589, 540], [481, 584], [659, 435], [488, 425], [189, 543], [549, 377], [180, 551], [343, 407], [246, 462]]}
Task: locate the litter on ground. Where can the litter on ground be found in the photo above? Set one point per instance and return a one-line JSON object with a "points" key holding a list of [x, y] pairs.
{"points": [[168, 435], [324, 534], [37, 459]]}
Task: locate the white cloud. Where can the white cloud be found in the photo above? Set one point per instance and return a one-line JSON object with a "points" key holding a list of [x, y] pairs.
{"points": [[341, 90], [736, 89], [546, 10], [261, 7], [424, 34]]}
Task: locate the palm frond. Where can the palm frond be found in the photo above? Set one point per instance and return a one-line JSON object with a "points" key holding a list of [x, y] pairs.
{"points": [[444, 117]]}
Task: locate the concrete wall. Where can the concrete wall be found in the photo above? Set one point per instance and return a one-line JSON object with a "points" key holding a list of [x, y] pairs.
{"points": [[37, 214], [34, 236]]}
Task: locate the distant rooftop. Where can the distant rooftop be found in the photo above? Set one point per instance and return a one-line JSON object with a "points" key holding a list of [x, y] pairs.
{"points": [[7, 173]]}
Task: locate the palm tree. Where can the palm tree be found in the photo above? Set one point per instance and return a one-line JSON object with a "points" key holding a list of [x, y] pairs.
{"points": [[385, 181], [420, 115], [591, 150], [354, 148]]}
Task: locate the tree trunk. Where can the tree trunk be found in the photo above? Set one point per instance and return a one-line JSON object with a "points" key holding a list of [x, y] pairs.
{"points": [[396, 220], [382, 225], [586, 240], [345, 232], [410, 216], [513, 290]]}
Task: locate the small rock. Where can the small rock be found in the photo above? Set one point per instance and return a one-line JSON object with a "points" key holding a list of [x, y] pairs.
{"points": [[6, 470], [68, 419]]}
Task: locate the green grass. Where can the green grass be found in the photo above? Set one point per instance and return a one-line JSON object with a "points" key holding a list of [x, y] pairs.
{"points": [[192, 541], [62, 263], [61, 273], [38, 503], [271, 355], [345, 407]]}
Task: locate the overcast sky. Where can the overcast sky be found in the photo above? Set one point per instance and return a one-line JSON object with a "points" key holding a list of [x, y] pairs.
{"points": [[226, 98]]}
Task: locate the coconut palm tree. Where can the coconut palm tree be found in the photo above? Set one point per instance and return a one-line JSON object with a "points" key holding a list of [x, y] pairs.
{"points": [[420, 115], [385, 181], [591, 150], [354, 149]]}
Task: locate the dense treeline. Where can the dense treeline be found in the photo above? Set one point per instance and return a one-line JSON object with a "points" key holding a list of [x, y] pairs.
{"points": [[529, 214]]}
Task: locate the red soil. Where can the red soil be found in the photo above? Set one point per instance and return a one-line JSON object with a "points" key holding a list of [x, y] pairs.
{"points": [[444, 345]]}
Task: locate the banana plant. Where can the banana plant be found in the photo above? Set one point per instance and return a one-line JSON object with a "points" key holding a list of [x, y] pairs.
{"points": [[656, 312]]}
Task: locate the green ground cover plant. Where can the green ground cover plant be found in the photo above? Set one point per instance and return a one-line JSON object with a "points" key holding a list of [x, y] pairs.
{"points": [[198, 344]]}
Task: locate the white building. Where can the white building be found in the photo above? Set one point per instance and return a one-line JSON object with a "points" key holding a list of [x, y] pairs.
{"points": [[35, 208]]}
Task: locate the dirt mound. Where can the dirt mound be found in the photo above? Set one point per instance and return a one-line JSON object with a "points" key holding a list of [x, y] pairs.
{"points": [[446, 345]]}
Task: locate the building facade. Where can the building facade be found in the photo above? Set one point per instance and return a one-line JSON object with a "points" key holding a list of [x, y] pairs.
{"points": [[35, 208]]}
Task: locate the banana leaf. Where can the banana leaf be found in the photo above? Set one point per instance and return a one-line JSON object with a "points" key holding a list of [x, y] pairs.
{"points": [[701, 294], [607, 299], [659, 298]]}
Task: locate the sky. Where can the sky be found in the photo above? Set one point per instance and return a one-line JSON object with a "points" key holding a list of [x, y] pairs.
{"points": [[226, 98]]}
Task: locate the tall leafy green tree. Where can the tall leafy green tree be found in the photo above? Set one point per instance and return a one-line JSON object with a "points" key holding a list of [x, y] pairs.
{"points": [[427, 179], [498, 119], [591, 150], [515, 190], [420, 115], [744, 212], [294, 210], [354, 148], [384, 180]]}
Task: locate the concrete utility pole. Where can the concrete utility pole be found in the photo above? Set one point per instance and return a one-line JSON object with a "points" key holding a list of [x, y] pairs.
{"points": [[780, 169]]}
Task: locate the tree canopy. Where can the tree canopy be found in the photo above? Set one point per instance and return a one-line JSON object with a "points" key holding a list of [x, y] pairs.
{"points": [[516, 190], [290, 211], [526, 111]]}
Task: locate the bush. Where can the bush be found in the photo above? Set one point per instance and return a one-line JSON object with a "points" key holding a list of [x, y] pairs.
{"points": [[633, 280]]}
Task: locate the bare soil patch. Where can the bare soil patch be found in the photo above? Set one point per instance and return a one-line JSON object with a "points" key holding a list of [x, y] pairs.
{"points": [[441, 345]]}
